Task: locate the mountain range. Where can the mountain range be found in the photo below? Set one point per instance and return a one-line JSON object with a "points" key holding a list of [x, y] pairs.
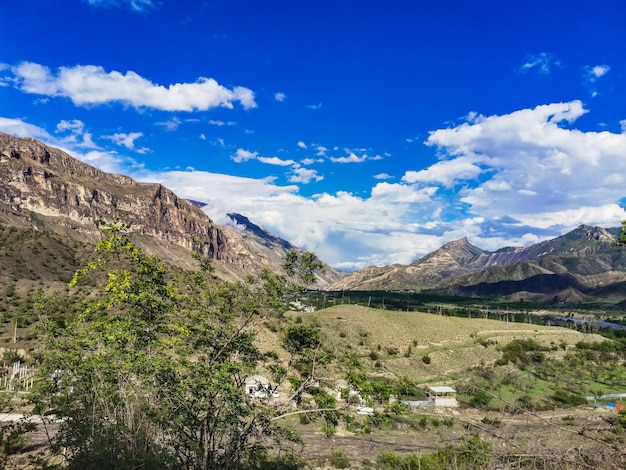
{"points": [[584, 264], [50, 204]]}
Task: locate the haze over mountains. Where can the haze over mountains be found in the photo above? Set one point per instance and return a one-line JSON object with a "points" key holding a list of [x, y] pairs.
{"points": [[46, 189]]}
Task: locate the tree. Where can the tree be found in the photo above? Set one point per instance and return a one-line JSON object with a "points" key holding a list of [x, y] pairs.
{"points": [[150, 373], [304, 266]]}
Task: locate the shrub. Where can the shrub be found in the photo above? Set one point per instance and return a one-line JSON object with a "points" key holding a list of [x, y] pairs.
{"points": [[426, 359], [339, 459]]}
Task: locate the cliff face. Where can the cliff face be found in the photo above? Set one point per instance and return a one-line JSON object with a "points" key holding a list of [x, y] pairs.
{"points": [[66, 195]]}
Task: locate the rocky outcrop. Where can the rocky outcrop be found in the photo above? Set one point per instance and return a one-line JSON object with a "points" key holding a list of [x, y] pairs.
{"points": [[46, 186]]}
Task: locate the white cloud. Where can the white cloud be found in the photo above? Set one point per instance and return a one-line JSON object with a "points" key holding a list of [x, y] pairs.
{"points": [[304, 176], [402, 193], [280, 96], [218, 123], [92, 85], [351, 158], [19, 128], [529, 153], [311, 161], [446, 172], [592, 74], [75, 126], [501, 180], [314, 106], [623, 125], [170, 125], [598, 71], [301, 144], [243, 155], [124, 139], [383, 176], [539, 63], [276, 161]]}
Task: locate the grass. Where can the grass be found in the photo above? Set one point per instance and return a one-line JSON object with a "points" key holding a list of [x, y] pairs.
{"points": [[454, 344]]}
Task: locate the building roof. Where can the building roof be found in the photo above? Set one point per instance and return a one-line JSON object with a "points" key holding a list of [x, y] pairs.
{"points": [[442, 389], [257, 379]]}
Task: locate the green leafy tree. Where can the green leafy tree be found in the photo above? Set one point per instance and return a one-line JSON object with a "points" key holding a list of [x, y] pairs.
{"points": [[150, 373], [304, 266]]}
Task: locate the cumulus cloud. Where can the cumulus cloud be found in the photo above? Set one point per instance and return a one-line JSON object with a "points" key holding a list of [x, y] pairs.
{"points": [[304, 175], [446, 172], [75, 126], [242, 155], [301, 144], [280, 97], [383, 176], [597, 71], [92, 85], [218, 123], [501, 180], [530, 154], [276, 161], [125, 139], [351, 158]]}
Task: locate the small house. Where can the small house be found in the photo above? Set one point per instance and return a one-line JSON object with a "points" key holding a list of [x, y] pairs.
{"points": [[257, 385], [443, 396]]}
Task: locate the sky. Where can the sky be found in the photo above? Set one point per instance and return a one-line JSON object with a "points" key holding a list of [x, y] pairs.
{"points": [[370, 132]]}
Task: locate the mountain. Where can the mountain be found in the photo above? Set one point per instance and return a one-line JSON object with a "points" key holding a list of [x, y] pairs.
{"points": [[582, 264], [54, 199]]}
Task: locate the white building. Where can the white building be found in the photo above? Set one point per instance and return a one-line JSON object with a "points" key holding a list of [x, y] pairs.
{"points": [[443, 396]]}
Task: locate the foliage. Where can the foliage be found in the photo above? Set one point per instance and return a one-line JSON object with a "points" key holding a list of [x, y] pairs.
{"points": [[473, 453], [13, 435], [150, 374], [522, 352], [303, 265]]}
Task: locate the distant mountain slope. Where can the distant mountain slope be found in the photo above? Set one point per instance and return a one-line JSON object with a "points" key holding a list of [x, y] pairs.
{"points": [[260, 240], [580, 264]]}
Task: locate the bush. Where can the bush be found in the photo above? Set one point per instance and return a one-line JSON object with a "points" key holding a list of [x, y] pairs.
{"points": [[338, 459], [569, 398], [426, 359]]}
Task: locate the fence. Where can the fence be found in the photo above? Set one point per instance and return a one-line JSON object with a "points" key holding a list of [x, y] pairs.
{"points": [[17, 377]]}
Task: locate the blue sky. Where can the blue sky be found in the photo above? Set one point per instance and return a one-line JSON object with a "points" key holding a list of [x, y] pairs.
{"points": [[369, 132]]}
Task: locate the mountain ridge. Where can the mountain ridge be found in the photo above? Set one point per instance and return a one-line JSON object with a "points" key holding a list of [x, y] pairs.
{"points": [[45, 188], [581, 264]]}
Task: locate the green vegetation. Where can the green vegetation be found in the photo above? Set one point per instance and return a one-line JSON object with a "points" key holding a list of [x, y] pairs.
{"points": [[149, 373]]}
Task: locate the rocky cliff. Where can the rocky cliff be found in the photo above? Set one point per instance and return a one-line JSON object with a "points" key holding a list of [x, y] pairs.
{"points": [[45, 188]]}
